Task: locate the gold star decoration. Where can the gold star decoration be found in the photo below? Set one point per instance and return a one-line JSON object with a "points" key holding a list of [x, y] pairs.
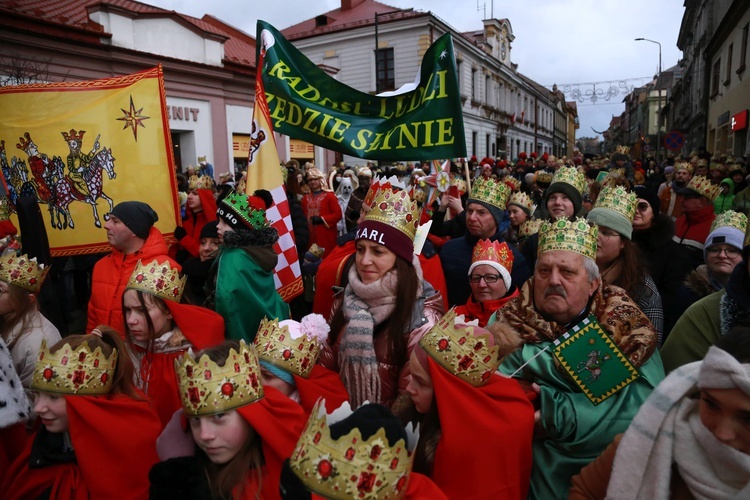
{"points": [[133, 118]]}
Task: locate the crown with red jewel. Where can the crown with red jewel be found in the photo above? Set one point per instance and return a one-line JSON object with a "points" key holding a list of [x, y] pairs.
{"points": [[380, 183], [492, 253], [207, 388], [157, 279], [202, 182], [22, 272], [351, 467], [24, 142], [522, 200], [471, 358], [529, 227], [622, 149], [513, 183], [702, 186], [73, 135], [395, 209], [74, 371], [684, 166], [293, 347]]}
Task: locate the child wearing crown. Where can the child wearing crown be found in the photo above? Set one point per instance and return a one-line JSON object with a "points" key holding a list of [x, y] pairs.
{"points": [[243, 431], [200, 209], [98, 433], [460, 402], [386, 306], [159, 329]]}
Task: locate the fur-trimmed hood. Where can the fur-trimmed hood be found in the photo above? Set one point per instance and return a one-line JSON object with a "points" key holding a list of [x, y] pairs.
{"points": [[701, 282], [239, 238]]}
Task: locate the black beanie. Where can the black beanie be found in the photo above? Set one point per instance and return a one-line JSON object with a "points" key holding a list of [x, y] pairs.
{"points": [[137, 216], [568, 190], [651, 197], [209, 230]]}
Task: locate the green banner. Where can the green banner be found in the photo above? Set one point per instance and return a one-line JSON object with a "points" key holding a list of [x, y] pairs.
{"points": [[424, 123]]}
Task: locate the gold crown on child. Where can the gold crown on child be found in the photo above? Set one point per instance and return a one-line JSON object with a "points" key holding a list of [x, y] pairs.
{"points": [[468, 357], [570, 175], [157, 279], [275, 345], [207, 388], [74, 371], [23, 272], [350, 467]]}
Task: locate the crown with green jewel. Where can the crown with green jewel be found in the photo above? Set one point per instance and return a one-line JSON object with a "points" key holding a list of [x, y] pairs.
{"points": [[490, 191], [618, 199], [250, 210], [574, 235], [570, 175], [736, 220]]}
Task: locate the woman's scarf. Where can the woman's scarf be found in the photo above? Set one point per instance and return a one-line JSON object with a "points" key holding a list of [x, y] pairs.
{"points": [[667, 430]]}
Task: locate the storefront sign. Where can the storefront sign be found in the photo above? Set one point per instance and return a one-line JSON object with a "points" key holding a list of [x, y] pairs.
{"points": [[739, 121], [240, 146], [301, 149], [182, 113]]}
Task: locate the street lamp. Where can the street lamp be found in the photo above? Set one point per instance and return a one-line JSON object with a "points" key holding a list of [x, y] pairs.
{"points": [[658, 118]]}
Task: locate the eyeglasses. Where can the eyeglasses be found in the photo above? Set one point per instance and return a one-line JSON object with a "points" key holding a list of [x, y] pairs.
{"points": [[730, 252], [488, 278], [642, 206], [606, 235]]}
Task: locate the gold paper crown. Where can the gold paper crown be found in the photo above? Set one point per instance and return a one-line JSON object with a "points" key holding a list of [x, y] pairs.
{"points": [[157, 279], [468, 357], [4, 208], [316, 250], [350, 467], [521, 199], [274, 344], [490, 191], [493, 251], [618, 199], [397, 210], [684, 166], [74, 371], [730, 218], [207, 388], [202, 182], [702, 162], [529, 227], [460, 184], [574, 235], [570, 175], [544, 177], [513, 183], [379, 183], [23, 272], [702, 186], [622, 149], [201, 159]]}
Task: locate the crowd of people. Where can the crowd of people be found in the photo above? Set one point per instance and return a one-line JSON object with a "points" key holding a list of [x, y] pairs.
{"points": [[538, 328]]}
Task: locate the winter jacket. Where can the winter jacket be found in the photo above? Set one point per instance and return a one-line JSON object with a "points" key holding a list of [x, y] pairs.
{"points": [[724, 201], [393, 379], [111, 275], [671, 202], [189, 245], [691, 231], [483, 310], [24, 344], [741, 201]]}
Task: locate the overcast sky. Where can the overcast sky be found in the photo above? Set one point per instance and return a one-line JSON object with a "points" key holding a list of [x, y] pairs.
{"points": [[557, 41]]}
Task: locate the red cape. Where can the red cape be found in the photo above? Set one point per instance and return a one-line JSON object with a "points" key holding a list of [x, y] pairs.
{"points": [[322, 383]]}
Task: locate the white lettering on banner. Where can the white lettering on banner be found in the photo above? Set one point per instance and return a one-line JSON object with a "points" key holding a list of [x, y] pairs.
{"points": [[182, 113], [374, 235]]}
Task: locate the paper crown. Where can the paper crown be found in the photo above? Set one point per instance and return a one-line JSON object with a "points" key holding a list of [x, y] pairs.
{"points": [[623, 150], [202, 182], [4, 208], [513, 183], [574, 235], [684, 166], [380, 183], [157, 279], [396, 210], [570, 175], [316, 250], [73, 135], [277, 345], [23, 272], [702, 185], [544, 177], [207, 388], [702, 162], [201, 159], [490, 191], [736, 220], [460, 184], [486, 251], [417, 194], [618, 199], [351, 467], [457, 350], [529, 227], [522, 200], [74, 371], [241, 206]]}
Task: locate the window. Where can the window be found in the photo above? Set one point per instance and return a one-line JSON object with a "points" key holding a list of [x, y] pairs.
{"points": [[385, 78], [458, 71], [473, 84], [487, 145], [729, 64], [715, 77], [487, 90], [743, 49], [474, 142]]}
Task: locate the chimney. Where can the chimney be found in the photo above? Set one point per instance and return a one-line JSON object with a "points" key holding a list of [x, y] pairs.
{"points": [[350, 4]]}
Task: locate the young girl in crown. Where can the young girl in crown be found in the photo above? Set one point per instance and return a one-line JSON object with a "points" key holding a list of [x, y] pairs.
{"points": [[243, 431], [460, 402], [98, 433], [159, 329], [386, 306]]}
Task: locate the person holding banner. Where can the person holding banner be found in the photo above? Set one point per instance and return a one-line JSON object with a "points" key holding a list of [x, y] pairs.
{"points": [[322, 210], [565, 296]]}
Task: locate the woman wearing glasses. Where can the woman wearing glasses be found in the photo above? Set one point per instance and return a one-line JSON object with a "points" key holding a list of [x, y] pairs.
{"points": [[490, 281], [618, 258]]}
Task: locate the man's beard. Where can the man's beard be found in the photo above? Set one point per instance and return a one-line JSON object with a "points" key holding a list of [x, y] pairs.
{"points": [[679, 183]]}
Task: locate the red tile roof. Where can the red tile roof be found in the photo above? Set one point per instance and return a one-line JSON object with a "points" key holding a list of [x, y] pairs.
{"points": [[59, 17]]}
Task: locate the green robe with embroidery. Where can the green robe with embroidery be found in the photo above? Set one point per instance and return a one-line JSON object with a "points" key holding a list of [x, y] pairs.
{"points": [[577, 431]]}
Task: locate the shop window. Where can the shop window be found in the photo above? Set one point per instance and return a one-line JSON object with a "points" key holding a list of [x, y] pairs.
{"points": [[385, 70]]}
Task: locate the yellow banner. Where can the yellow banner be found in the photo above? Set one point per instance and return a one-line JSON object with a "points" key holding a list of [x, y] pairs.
{"points": [[83, 147]]}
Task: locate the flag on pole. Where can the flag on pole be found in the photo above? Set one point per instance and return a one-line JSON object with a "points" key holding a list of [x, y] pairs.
{"points": [[264, 172], [82, 147]]}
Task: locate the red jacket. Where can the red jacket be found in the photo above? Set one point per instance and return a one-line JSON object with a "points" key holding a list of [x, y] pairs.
{"points": [[194, 222], [111, 275], [692, 228], [483, 310]]}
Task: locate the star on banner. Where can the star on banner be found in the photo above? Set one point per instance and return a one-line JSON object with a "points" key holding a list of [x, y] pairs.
{"points": [[133, 118], [443, 54]]}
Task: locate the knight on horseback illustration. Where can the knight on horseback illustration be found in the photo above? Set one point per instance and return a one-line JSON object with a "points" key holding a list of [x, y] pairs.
{"points": [[78, 162], [40, 166]]}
